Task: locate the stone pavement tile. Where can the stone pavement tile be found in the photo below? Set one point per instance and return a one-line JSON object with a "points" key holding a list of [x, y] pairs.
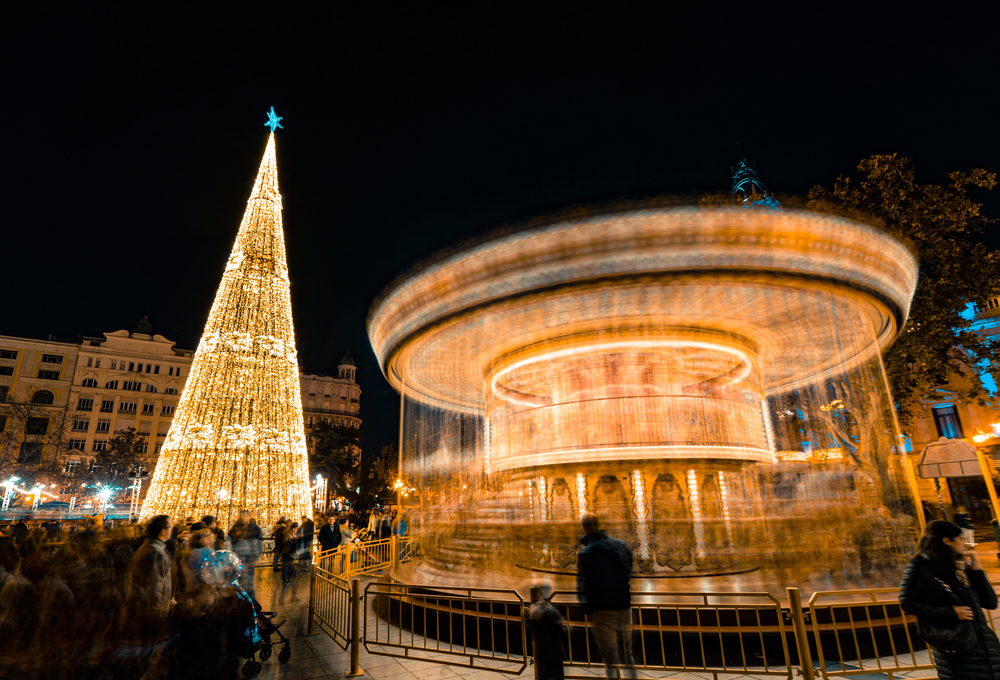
{"points": [[416, 664], [435, 672], [374, 660]]}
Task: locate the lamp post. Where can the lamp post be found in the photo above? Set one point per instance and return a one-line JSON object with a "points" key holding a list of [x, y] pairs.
{"points": [[104, 494]]}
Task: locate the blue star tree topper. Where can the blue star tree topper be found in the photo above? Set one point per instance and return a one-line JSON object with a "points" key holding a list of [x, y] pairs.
{"points": [[273, 120]]}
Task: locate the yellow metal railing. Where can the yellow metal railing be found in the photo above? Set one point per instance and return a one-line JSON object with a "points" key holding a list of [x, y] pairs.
{"points": [[850, 632], [864, 631], [706, 632], [471, 627]]}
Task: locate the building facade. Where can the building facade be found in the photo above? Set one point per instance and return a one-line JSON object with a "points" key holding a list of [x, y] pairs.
{"points": [[64, 400], [945, 416]]}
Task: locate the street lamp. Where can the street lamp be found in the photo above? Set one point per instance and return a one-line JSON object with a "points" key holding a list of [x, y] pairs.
{"points": [[397, 486], [104, 494]]}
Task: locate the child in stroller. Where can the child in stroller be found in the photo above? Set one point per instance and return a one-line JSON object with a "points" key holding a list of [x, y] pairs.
{"points": [[248, 628]]}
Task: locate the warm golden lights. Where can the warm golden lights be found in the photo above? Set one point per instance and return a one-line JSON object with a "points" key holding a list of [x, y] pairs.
{"points": [[237, 438]]}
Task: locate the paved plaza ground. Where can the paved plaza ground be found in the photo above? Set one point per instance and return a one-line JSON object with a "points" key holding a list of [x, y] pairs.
{"points": [[319, 656]]}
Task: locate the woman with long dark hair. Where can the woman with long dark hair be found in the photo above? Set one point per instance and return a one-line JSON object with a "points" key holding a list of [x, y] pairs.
{"points": [[945, 588]]}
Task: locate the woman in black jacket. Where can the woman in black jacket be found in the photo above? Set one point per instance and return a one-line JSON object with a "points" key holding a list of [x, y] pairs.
{"points": [[945, 584]]}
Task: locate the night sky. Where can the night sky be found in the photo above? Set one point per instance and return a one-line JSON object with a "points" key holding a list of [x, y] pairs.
{"points": [[134, 135]]}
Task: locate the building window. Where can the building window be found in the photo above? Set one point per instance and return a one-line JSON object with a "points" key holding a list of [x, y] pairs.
{"points": [[107, 406], [156, 370], [31, 452], [48, 375], [111, 385], [156, 450], [81, 425], [310, 421], [51, 359], [3, 392], [114, 365], [170, 390], [3, 423], [85, 405], [948, 424], [312, 394], [132, 385], [8, 354], [42, 397], [100, 444], [89, 382], [90, 362], [37, 426], [149, 367], [77, 444], [71, 466], [171, 370], [97, 364], [151, 388], [6, 370], [104, 425], [128, 406], [147, 408], [168, 410], [131, 366], [145, 447]]}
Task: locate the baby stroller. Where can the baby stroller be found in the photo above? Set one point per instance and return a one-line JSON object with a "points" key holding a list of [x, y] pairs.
{"points": [[248, 631]]}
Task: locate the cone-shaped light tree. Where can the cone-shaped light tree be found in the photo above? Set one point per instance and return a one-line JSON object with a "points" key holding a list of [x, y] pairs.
{"points": [[237, 437]]}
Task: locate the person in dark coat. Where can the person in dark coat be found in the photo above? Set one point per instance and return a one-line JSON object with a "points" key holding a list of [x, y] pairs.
{"points": [[329, 535], [278, 534], [945, 583], [603, 570]]}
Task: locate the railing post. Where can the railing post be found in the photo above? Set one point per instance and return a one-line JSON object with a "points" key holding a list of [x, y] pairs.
{"points": [[311, 630], [801, 640], [393, 551], [355, 669]]}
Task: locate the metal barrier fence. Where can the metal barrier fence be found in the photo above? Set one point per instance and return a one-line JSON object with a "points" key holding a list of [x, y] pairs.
{"points": [[467, 627], [707, 632], [865, 631], [849, 633]]}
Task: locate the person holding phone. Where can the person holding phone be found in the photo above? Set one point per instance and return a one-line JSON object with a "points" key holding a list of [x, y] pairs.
{"points": [[943, 586]]}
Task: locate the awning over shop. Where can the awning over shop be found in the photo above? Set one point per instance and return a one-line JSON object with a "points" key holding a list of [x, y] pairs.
{"points": [[949, 458]]}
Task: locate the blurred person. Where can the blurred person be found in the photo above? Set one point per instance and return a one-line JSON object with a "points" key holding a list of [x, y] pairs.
{"points": [[604, 567], [945, 587], [330, 536], [308, 532], [57, 635], [142, 626], [200, 548], [385, 525], [248, 551], [199, 651], [963, 520], [278, 534], [20, 530], [548, 633], [373, 522], [289, 547], [221, 540]]}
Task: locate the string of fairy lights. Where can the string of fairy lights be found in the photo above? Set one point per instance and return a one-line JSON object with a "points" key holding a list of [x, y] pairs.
{"points": [[237, 439]]}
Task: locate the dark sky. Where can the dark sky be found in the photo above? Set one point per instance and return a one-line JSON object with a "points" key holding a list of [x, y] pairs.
{"points": [[133, 137]]}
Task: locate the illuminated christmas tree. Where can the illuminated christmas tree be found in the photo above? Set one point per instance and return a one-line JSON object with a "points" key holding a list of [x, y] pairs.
{"points": [[237, 437]]}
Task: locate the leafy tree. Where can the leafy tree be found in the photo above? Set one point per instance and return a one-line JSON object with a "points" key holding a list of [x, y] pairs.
{"points": [[955, 271], [335, 450], [124, 457]]}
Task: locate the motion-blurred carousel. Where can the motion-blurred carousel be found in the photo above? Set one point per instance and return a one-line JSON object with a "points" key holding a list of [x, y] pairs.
{"points": [[708, 381]]}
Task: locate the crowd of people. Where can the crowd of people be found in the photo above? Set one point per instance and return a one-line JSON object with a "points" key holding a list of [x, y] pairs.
{"points": [[93, 600]]}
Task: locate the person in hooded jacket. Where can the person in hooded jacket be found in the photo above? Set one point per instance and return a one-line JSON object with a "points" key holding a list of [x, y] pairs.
{"points": [[943, 584]]}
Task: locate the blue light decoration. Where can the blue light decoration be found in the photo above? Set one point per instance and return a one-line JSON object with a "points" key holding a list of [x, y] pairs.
{"points": [[273, 120]]}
